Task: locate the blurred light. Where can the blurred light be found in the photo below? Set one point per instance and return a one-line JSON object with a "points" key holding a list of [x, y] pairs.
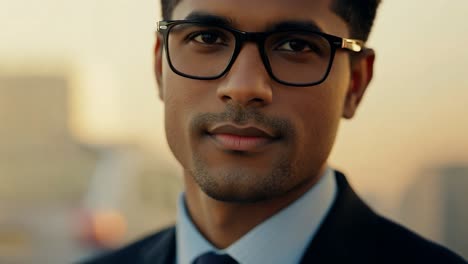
{"points": [[106, 228]]}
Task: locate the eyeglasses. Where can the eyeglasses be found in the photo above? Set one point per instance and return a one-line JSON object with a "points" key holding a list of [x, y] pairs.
{"points": [[297, 57]]}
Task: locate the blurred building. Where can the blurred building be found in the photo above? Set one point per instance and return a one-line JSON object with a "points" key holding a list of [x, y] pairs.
{"points": [[43, 170], [39, 160], [78, 197], [435, 206]]}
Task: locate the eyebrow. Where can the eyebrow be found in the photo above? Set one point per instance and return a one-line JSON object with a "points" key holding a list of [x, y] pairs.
{"points": [[295, 25], [208, 18]]}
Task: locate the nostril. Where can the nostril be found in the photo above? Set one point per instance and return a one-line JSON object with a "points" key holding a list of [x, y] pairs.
{"points": [[257, 100], [225, 98]]}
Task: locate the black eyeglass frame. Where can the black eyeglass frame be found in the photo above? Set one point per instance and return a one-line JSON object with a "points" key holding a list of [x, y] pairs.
{"points": [[336, 43]]}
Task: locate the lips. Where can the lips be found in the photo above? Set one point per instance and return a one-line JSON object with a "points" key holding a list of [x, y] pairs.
{"points": [[246, 138]]}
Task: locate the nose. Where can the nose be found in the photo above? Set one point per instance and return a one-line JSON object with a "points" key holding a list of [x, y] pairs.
{"points": [[247, 83]]}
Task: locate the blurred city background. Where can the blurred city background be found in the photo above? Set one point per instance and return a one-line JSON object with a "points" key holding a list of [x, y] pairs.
{"points": [[84, 165]]}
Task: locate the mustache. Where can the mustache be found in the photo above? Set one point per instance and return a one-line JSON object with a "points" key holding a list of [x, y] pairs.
{"points": [[241, 115]]}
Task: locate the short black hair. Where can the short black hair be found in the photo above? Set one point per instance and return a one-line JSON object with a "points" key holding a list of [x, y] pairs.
{"points": [[359, 14]]}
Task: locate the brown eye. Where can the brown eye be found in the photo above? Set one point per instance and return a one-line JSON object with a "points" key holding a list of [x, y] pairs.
{"points": [[295, 45], [209, 38]]}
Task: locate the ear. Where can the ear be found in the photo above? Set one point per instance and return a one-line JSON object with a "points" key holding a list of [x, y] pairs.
{"points": [[158, 57], [362, 70]]}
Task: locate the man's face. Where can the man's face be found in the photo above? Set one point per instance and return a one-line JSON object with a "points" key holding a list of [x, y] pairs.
{"points": [[244, 137]]}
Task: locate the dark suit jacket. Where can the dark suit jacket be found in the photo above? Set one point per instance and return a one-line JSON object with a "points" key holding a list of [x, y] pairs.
{"points": [[351, 233]]}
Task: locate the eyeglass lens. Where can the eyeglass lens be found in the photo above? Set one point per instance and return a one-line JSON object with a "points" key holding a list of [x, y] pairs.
{"points": [[206, 51]]}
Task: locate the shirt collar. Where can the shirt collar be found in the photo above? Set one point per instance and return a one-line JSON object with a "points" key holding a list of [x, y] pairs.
{"points": [[284, 236]]}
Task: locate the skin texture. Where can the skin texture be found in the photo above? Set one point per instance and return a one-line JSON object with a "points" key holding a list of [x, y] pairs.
{"points": [[230, 192]]}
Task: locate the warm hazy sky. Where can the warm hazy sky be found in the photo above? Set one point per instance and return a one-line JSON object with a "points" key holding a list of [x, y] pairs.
{"points": [[414, 115]]}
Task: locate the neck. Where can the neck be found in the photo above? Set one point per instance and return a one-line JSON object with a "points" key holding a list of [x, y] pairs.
{"points": [[223, 223]]}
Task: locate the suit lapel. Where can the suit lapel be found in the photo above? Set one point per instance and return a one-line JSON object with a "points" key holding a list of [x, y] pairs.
{"points": [[341, 233], [162, 251]]}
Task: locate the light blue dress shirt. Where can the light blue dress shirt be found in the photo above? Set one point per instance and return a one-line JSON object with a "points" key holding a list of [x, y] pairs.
{"points": [[282, 238]]}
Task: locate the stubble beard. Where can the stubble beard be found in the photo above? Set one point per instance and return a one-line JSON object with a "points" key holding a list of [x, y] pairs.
{"points": [[244, 185], [236, 183]]}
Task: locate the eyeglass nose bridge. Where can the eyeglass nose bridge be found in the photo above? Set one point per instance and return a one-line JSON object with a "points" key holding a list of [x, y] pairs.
{"points": [[255, 37], [258, 38]]}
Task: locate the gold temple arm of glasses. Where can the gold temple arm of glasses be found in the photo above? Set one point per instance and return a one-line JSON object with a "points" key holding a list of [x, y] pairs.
{"points": [[353, 44], [161, 27]]}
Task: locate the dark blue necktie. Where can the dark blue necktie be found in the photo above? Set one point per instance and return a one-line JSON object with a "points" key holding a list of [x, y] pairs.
{"points": [[212, 258]]}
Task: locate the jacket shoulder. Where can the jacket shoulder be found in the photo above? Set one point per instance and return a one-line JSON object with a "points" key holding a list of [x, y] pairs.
{"points": [[134, 252], [353, 233], [403, 245]]}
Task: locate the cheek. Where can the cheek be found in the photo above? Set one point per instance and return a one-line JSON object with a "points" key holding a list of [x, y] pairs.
{"points": [[174, 127], [317, 126], [178, 105], [183, 99], [317, 114]]}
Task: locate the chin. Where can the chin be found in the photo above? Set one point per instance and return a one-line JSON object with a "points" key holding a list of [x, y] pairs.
{"points": [[245, 185]]}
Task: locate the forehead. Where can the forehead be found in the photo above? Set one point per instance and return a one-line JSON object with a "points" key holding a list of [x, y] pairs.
{"points": [[257, 15]]}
